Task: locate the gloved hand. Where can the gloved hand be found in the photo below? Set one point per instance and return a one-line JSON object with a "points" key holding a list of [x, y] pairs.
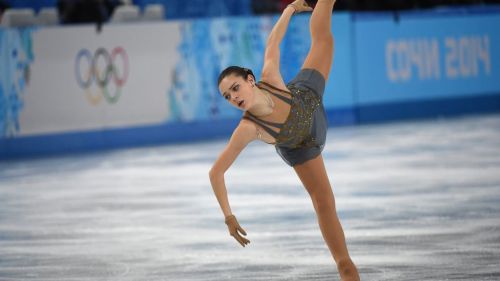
{"points": [[300, 6], [234, 227]]}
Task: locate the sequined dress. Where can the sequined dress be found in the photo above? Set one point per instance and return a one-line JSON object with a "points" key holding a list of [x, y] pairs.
{"points": [[302, 136]]}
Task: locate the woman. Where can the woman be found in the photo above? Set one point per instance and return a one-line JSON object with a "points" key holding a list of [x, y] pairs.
{"points": [[292, 118]]}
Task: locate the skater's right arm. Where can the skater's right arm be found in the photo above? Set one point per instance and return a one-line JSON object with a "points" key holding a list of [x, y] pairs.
{"points": [[242, 135], [271, 68]]}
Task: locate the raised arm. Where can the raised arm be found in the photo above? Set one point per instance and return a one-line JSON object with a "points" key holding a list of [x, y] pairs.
{"points": [[271, 69], [243, 134]]}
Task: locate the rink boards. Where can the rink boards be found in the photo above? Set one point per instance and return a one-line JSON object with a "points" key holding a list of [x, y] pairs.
{"points": [[66, 89]]}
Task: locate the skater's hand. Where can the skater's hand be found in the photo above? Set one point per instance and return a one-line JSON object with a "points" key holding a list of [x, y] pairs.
{"points": [[234, 229], [300, 6]]}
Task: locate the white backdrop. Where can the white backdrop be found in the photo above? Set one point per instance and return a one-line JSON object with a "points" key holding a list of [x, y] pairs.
{"points": [[54, 100]]}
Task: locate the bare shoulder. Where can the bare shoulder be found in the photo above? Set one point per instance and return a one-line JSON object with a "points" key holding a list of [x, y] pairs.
{"points": [[271, 74], [276, 84], [274, 80], [244, 133]]}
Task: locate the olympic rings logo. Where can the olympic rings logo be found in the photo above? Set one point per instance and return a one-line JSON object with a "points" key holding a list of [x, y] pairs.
{"points": [[102, 68]]}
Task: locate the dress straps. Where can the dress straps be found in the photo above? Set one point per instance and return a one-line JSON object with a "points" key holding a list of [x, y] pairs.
{"points": [[274, 88], [263, 123], [283, 98]]}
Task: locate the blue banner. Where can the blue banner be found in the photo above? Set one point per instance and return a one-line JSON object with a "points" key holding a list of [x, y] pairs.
{"points": [[209, 46], [427, 57], [339, 87], [16, 56]]}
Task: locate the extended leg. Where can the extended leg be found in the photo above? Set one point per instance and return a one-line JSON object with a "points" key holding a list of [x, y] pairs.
{"points": [[315, 179], [320, 54]]}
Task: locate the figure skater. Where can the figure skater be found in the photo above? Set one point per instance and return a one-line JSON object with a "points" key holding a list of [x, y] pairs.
{"points": [[292, 118]]}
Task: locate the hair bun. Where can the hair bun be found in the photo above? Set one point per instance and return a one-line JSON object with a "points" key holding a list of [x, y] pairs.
{"points": [[248, 71]]}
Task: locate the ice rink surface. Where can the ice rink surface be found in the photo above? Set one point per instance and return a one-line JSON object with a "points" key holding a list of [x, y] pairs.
{"points": [[417, 200]]}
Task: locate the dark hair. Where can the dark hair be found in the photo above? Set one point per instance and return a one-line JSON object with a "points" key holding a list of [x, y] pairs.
{"points": [[236, 70]]}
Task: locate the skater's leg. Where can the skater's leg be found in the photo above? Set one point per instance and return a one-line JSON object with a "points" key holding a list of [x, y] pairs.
{"points": [[320, 54], [315, 179]]}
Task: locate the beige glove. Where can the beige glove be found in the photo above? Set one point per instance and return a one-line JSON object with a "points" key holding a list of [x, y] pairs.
{"points": [[300, 6], [234, 227]]}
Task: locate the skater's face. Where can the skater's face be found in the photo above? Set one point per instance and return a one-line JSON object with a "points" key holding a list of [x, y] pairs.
{"points": [[238, 91]]}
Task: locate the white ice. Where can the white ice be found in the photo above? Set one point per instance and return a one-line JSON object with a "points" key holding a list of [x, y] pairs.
{"points": [[417, 200]]}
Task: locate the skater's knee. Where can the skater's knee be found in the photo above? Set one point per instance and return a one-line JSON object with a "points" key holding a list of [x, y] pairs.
{"points": [[345, 265], [322, 39], [324, 204]]}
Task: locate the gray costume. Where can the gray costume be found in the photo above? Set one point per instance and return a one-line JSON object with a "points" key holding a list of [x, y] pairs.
{"points": [[302, 136]]}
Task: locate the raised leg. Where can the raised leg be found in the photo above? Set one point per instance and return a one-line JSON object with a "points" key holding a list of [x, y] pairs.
{"points": [[320, 54], [315, 179]]}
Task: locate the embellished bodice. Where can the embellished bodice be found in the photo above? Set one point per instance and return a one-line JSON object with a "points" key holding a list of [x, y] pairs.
{"points": [[296, 130]]}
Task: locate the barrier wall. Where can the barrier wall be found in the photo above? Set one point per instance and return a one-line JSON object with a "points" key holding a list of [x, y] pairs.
{"points": [[68, 89], [421, 65]]}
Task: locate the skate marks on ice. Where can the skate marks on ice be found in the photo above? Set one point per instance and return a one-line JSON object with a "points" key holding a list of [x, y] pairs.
{"points": [[418, 201]]}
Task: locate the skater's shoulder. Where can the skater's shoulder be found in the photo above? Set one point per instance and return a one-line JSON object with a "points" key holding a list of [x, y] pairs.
{"points": [[244, 133]]}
